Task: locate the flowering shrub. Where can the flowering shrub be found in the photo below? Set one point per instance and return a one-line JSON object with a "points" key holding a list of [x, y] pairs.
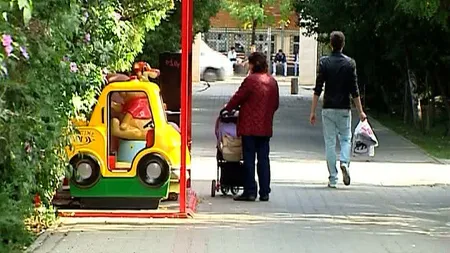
{"points": [[52, 64]]}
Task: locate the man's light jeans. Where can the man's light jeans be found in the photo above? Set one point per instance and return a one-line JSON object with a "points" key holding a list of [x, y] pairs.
{"points": [[274, 68], [296, 69], [337, 122]]}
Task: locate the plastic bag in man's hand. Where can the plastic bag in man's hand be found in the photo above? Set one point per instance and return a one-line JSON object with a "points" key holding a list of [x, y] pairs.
{"points": [[364, 132], [364, 140]]}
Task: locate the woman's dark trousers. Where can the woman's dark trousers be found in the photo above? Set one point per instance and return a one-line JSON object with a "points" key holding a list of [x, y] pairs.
{"points": [[256, 147]]}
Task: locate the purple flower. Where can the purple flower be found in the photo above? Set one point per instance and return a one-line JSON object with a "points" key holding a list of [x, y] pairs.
{"points": [[87, 37], [8, 50], [117, 16], [73, 67], [24, 52], [6, 40]]}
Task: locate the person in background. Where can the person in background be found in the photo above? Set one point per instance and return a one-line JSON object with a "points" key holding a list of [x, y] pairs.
{"points": [[232, 55], [296, 63], [258, 99], [280, 58], [338, 72]]}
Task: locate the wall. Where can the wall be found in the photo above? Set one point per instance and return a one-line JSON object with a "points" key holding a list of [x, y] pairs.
{"points": [[308, 60], [196, 59], [224, 19]]}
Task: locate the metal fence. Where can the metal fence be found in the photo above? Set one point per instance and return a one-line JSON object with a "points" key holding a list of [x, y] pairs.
{"points": [[222, 39], [268, 41]]}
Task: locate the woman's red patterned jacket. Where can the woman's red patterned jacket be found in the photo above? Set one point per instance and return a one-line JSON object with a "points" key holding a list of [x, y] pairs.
{"points": [[258, 98]]}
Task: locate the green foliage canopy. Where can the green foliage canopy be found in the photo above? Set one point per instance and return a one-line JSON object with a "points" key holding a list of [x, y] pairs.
{"points": [[53, 60]]}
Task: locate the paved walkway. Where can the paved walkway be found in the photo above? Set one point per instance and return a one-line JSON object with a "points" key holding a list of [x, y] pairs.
{"points": [[297, 149], [298, 218], [302, 214]]}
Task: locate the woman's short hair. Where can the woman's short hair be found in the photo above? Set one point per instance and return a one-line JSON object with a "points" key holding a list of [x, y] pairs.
{"points": [[259, 62]]}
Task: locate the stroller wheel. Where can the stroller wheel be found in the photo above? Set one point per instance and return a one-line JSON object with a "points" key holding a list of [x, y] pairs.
{"points": [[224, 190], [235, 190], [213, 188]]}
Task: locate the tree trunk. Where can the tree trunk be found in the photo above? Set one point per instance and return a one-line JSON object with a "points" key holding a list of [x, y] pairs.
{"points": [[428, 109], [415, 103], [446, 102], [385, 97], [254, 24], [406, 104]]}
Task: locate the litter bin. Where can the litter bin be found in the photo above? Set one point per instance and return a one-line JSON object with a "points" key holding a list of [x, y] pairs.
{"points": [[294, 85]]}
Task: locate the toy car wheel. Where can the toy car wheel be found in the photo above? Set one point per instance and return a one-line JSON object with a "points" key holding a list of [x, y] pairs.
{"points": [[153, 170], [213, 188], [235, 190], [86, 172], [224, 190]]}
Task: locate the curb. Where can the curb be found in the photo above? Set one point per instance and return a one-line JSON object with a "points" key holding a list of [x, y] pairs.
{"points": [[42, 238]]}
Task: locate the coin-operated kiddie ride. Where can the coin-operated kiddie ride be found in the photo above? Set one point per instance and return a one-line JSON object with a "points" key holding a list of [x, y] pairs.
{"points": [[127, 155]]}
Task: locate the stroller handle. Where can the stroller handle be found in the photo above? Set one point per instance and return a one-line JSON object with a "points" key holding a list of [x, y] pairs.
{"points": [[229, 113]]}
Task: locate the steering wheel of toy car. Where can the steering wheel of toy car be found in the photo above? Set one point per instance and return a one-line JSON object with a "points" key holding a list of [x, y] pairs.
{"points": [[150, 124]]}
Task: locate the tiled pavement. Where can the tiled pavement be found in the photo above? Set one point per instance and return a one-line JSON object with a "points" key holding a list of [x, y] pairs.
{"points": [[293, 135], [300, 217]]}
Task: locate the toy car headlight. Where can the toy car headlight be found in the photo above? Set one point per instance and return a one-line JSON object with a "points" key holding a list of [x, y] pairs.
{"points": [[83, 171], [86, 171], [153, 170]]}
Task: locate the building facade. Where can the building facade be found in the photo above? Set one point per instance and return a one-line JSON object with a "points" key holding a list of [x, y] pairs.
{"points": [[226, 32]]}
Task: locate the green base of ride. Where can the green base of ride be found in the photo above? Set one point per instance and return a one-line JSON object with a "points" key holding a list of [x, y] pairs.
{"points": [[120, 187]]}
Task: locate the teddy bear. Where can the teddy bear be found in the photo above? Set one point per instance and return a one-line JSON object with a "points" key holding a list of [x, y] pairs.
{"points": [[133, 112], [136, 114]]}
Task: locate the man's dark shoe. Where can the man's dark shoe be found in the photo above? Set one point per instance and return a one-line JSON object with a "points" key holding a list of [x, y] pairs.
{"points": [[345, 174], [245, 197], [264, 198]]}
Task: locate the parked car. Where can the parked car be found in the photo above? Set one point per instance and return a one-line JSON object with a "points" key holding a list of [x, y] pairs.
{"points": [[214, 66]]}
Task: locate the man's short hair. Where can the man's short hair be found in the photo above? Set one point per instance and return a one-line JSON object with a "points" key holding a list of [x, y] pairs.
{"points": [[259, 62], [337, 40], [232, 48], [280, 50]]}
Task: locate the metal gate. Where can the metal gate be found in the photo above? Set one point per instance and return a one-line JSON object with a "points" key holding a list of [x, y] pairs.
{"points": [[268, 41]]}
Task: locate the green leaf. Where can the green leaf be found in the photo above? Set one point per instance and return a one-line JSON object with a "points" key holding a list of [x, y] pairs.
{"points": [[26, 14], [22, 3]]}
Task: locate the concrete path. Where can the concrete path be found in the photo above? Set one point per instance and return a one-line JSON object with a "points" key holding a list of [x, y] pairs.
{"points": [[302, 215], [297, 148], [298, 218]]}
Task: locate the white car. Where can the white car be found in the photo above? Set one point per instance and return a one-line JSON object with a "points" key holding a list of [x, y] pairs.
{"points": [[214, 66]]}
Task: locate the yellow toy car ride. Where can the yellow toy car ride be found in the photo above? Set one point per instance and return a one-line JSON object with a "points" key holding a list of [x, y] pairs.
{"points": [[127, 155]]}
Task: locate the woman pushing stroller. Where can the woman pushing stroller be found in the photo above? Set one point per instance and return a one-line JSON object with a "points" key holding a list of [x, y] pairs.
{"points": [[258, 99]]}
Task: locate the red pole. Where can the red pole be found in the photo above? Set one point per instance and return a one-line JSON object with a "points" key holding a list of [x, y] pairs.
{"points": [[189, 117], [185, 42]]}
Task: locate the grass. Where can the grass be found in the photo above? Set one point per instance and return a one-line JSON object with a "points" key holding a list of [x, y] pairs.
{"points": [[433, 142]]}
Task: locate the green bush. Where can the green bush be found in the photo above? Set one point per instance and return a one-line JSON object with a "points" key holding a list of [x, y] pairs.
{"points": [[52, 63]]}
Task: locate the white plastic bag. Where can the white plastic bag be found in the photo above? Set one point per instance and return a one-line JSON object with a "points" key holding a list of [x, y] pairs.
{"points": [[364, 140]]}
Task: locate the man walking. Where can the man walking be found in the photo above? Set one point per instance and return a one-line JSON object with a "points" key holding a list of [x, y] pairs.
{"points": [[338, 72]]}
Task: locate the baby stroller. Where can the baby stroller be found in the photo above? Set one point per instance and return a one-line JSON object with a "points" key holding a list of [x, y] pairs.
{"points": [[230, 171]]}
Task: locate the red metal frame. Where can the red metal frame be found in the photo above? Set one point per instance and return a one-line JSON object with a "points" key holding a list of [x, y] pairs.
{"points": [[186, 208], [134, 214]]}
